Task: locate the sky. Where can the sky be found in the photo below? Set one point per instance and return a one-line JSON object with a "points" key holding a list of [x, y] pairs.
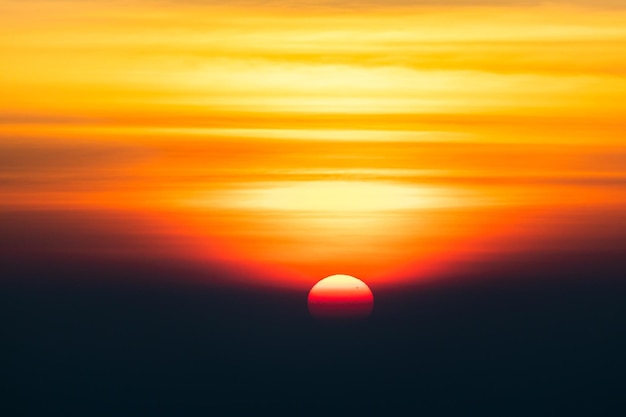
{"points": [[175, 177], [399, 142]]}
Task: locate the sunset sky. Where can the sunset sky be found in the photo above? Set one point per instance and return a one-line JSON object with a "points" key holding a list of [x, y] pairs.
{"points": [[397, 141], [316, 207]]}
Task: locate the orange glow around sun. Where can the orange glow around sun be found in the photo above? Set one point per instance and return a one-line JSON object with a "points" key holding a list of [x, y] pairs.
{"points": [[396, 143]]}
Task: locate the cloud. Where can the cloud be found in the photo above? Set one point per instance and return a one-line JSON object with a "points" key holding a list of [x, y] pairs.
{"points": [[360, 4]]}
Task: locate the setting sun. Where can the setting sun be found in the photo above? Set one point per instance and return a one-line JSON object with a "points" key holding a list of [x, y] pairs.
{"points": [[177, 177], [340, 297]]}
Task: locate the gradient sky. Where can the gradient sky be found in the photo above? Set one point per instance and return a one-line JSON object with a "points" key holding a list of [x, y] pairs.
{"points": [[393, 141]]}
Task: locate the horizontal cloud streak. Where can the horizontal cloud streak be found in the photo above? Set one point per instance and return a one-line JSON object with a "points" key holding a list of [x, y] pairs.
{"points": [[357, 4]]}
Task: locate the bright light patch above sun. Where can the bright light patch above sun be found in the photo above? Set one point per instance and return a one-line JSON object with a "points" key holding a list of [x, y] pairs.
{"points": [[339, 196]]}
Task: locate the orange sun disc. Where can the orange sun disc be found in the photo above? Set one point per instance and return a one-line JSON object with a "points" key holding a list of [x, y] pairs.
{"points": [[340, 297]]}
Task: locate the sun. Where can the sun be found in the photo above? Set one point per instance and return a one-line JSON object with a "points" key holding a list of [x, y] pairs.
{"points": [[340, 297]]}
